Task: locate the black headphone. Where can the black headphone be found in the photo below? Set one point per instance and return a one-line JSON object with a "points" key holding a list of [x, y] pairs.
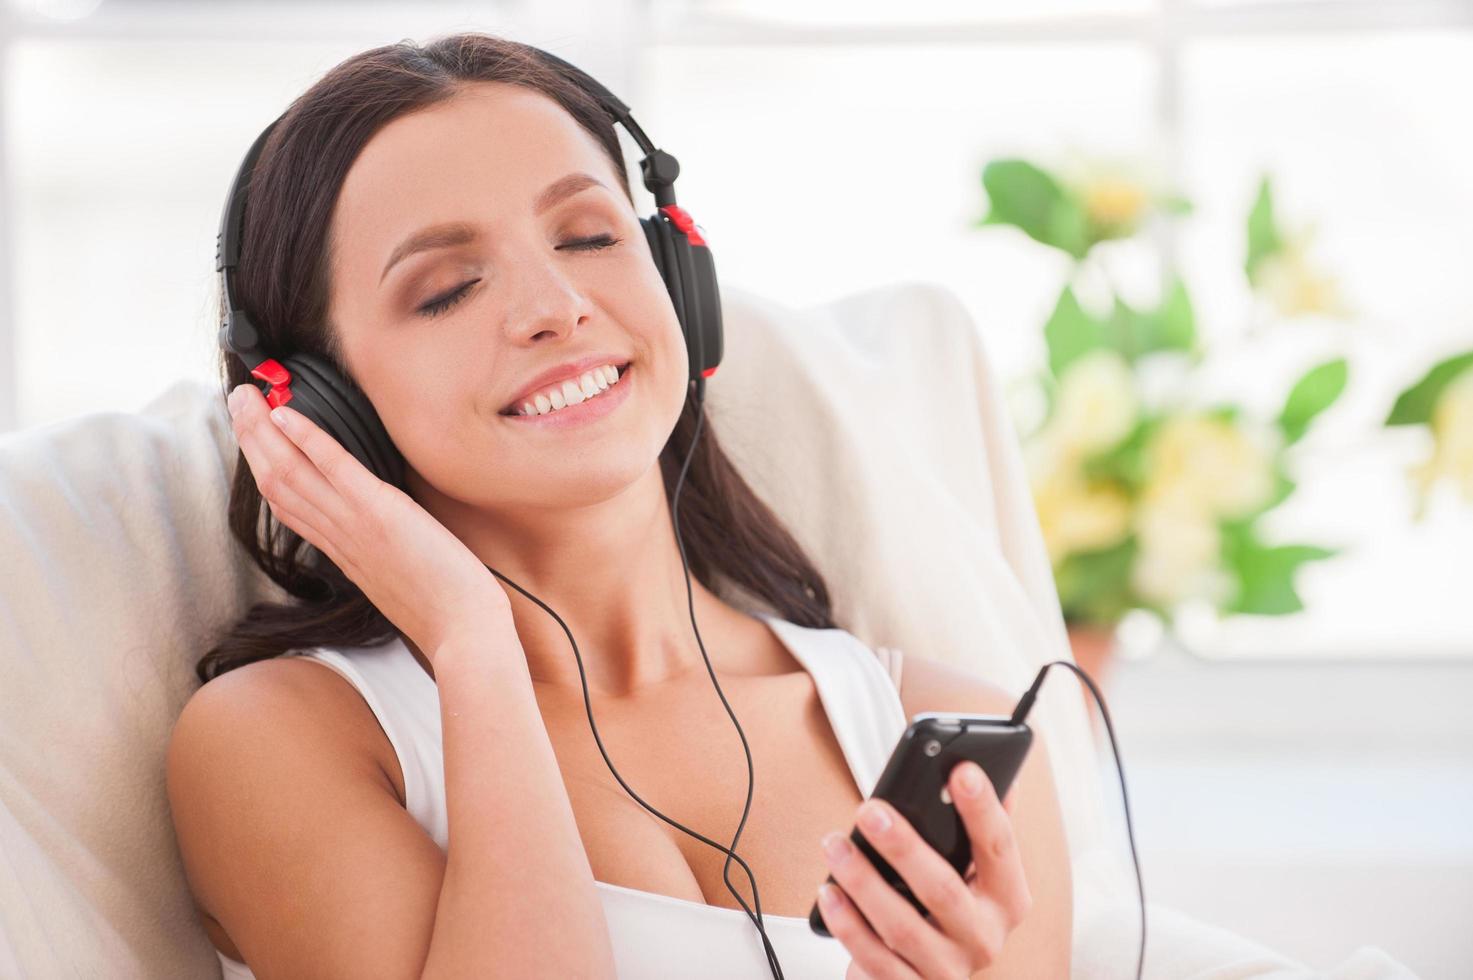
{"points": [[321, 393]]}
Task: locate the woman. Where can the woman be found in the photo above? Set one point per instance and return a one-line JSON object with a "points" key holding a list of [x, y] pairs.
{"points": [[331, 824]]}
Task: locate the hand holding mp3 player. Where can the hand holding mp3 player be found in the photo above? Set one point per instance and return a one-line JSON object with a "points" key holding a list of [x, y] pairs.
{"points": [[921, 868]]}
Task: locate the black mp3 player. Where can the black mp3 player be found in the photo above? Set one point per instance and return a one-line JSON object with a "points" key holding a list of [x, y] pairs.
{"points": [[914, 783]]}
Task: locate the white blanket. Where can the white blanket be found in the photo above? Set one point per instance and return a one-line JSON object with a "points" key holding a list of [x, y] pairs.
{"points": [[875, 426]]}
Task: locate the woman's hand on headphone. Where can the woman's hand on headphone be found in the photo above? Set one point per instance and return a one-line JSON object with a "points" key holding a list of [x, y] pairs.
{"points": [[969, 917], [409, 565]]}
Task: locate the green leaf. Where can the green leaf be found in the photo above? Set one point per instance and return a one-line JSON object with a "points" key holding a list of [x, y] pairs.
{"points": [[1070, 332], [1263, 232], [1126, 462], [1175, 204], [1136, 333], [1027, 197], [1312, 394], [1265, 572], [1223, 413], [1069, 228], [1094, 585], [1283, 486], [1414, 406], [1129, 330], [1176, 324]]}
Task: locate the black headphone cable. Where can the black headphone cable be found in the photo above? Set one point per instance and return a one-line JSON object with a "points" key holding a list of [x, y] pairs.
{"points": [[731, 854], [1025, 704]]}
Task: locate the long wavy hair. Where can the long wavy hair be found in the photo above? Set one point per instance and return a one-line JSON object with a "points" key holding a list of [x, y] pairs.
{"points": [[282, 281]]}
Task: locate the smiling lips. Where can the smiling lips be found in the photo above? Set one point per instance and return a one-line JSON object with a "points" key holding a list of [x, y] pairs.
{"points": [[573, 391]]}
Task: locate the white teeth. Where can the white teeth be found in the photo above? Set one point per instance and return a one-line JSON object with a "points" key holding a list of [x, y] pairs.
{"points": [[572, 392]]}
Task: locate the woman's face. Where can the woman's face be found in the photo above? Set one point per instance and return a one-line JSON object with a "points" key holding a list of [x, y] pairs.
{"points": [[524, 298]]}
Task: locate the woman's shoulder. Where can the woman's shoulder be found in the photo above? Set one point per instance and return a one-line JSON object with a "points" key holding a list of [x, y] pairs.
{"points": [[299, 693], [282, 682]]}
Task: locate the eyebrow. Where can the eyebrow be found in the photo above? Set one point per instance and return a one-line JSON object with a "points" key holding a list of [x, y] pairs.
{"points": [[461, 233]]}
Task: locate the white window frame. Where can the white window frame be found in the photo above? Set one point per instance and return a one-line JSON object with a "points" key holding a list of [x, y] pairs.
{"points": [[1164, 30]]}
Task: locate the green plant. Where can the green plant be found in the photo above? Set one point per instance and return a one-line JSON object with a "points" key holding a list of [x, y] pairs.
{"points": [[1442, 400], [1142, 505]]}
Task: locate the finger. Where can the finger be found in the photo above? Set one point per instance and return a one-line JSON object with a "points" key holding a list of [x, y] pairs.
{"points": [[864, 945], [286, 457], [1000, 874], [893, 919], [341, 468], [940, 888], [287, 479], [930, 877], [285, 450], [289, 506]]}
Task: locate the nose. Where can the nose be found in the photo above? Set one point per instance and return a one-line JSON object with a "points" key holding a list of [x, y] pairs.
{"points": [[546, 299]]}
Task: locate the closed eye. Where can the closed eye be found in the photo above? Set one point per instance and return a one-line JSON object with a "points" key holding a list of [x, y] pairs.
{"points": [[437, 306]]}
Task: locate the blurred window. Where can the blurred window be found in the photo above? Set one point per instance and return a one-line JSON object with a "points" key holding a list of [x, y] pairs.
{"points": [[828, 147]]}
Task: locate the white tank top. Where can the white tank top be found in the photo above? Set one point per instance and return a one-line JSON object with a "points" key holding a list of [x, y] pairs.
{"points": [[656, 936]]}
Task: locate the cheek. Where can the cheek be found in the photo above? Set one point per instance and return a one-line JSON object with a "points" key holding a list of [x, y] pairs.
{"points": [[439, 425]]}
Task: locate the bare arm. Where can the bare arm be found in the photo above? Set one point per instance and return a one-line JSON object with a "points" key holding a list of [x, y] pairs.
{"points": [[294, 840], [517, 880]]}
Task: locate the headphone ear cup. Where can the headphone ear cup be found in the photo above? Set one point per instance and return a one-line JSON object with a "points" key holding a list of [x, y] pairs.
{"points": [[704, 301], [690, 276], [360, 416], [662, 247], [307, 398], [700, 300], [345, 414]]}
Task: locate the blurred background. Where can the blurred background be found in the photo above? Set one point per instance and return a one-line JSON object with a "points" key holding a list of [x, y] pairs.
{"points": [[1218, 250]]}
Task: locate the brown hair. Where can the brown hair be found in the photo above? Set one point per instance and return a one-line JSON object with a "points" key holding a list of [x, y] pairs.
{"points": [[282, 281]]}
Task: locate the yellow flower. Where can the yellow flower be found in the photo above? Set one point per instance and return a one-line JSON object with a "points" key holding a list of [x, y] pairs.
{"points": [[1116, 193], [1097, 403], [1115, 203], [1179, 550], [1452, 433], [1224, 469], [1293, 287], [1073, 514]]}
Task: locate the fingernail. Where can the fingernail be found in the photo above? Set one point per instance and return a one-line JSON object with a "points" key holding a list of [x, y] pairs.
{"points": [[874, 818], [971, 778], [828, 896], [836, 847], [278, 415], [233, 402]]}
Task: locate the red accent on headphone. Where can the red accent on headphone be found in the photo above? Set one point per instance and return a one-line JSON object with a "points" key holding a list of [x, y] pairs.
{"points": [[685, 223], [278, 377]]}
